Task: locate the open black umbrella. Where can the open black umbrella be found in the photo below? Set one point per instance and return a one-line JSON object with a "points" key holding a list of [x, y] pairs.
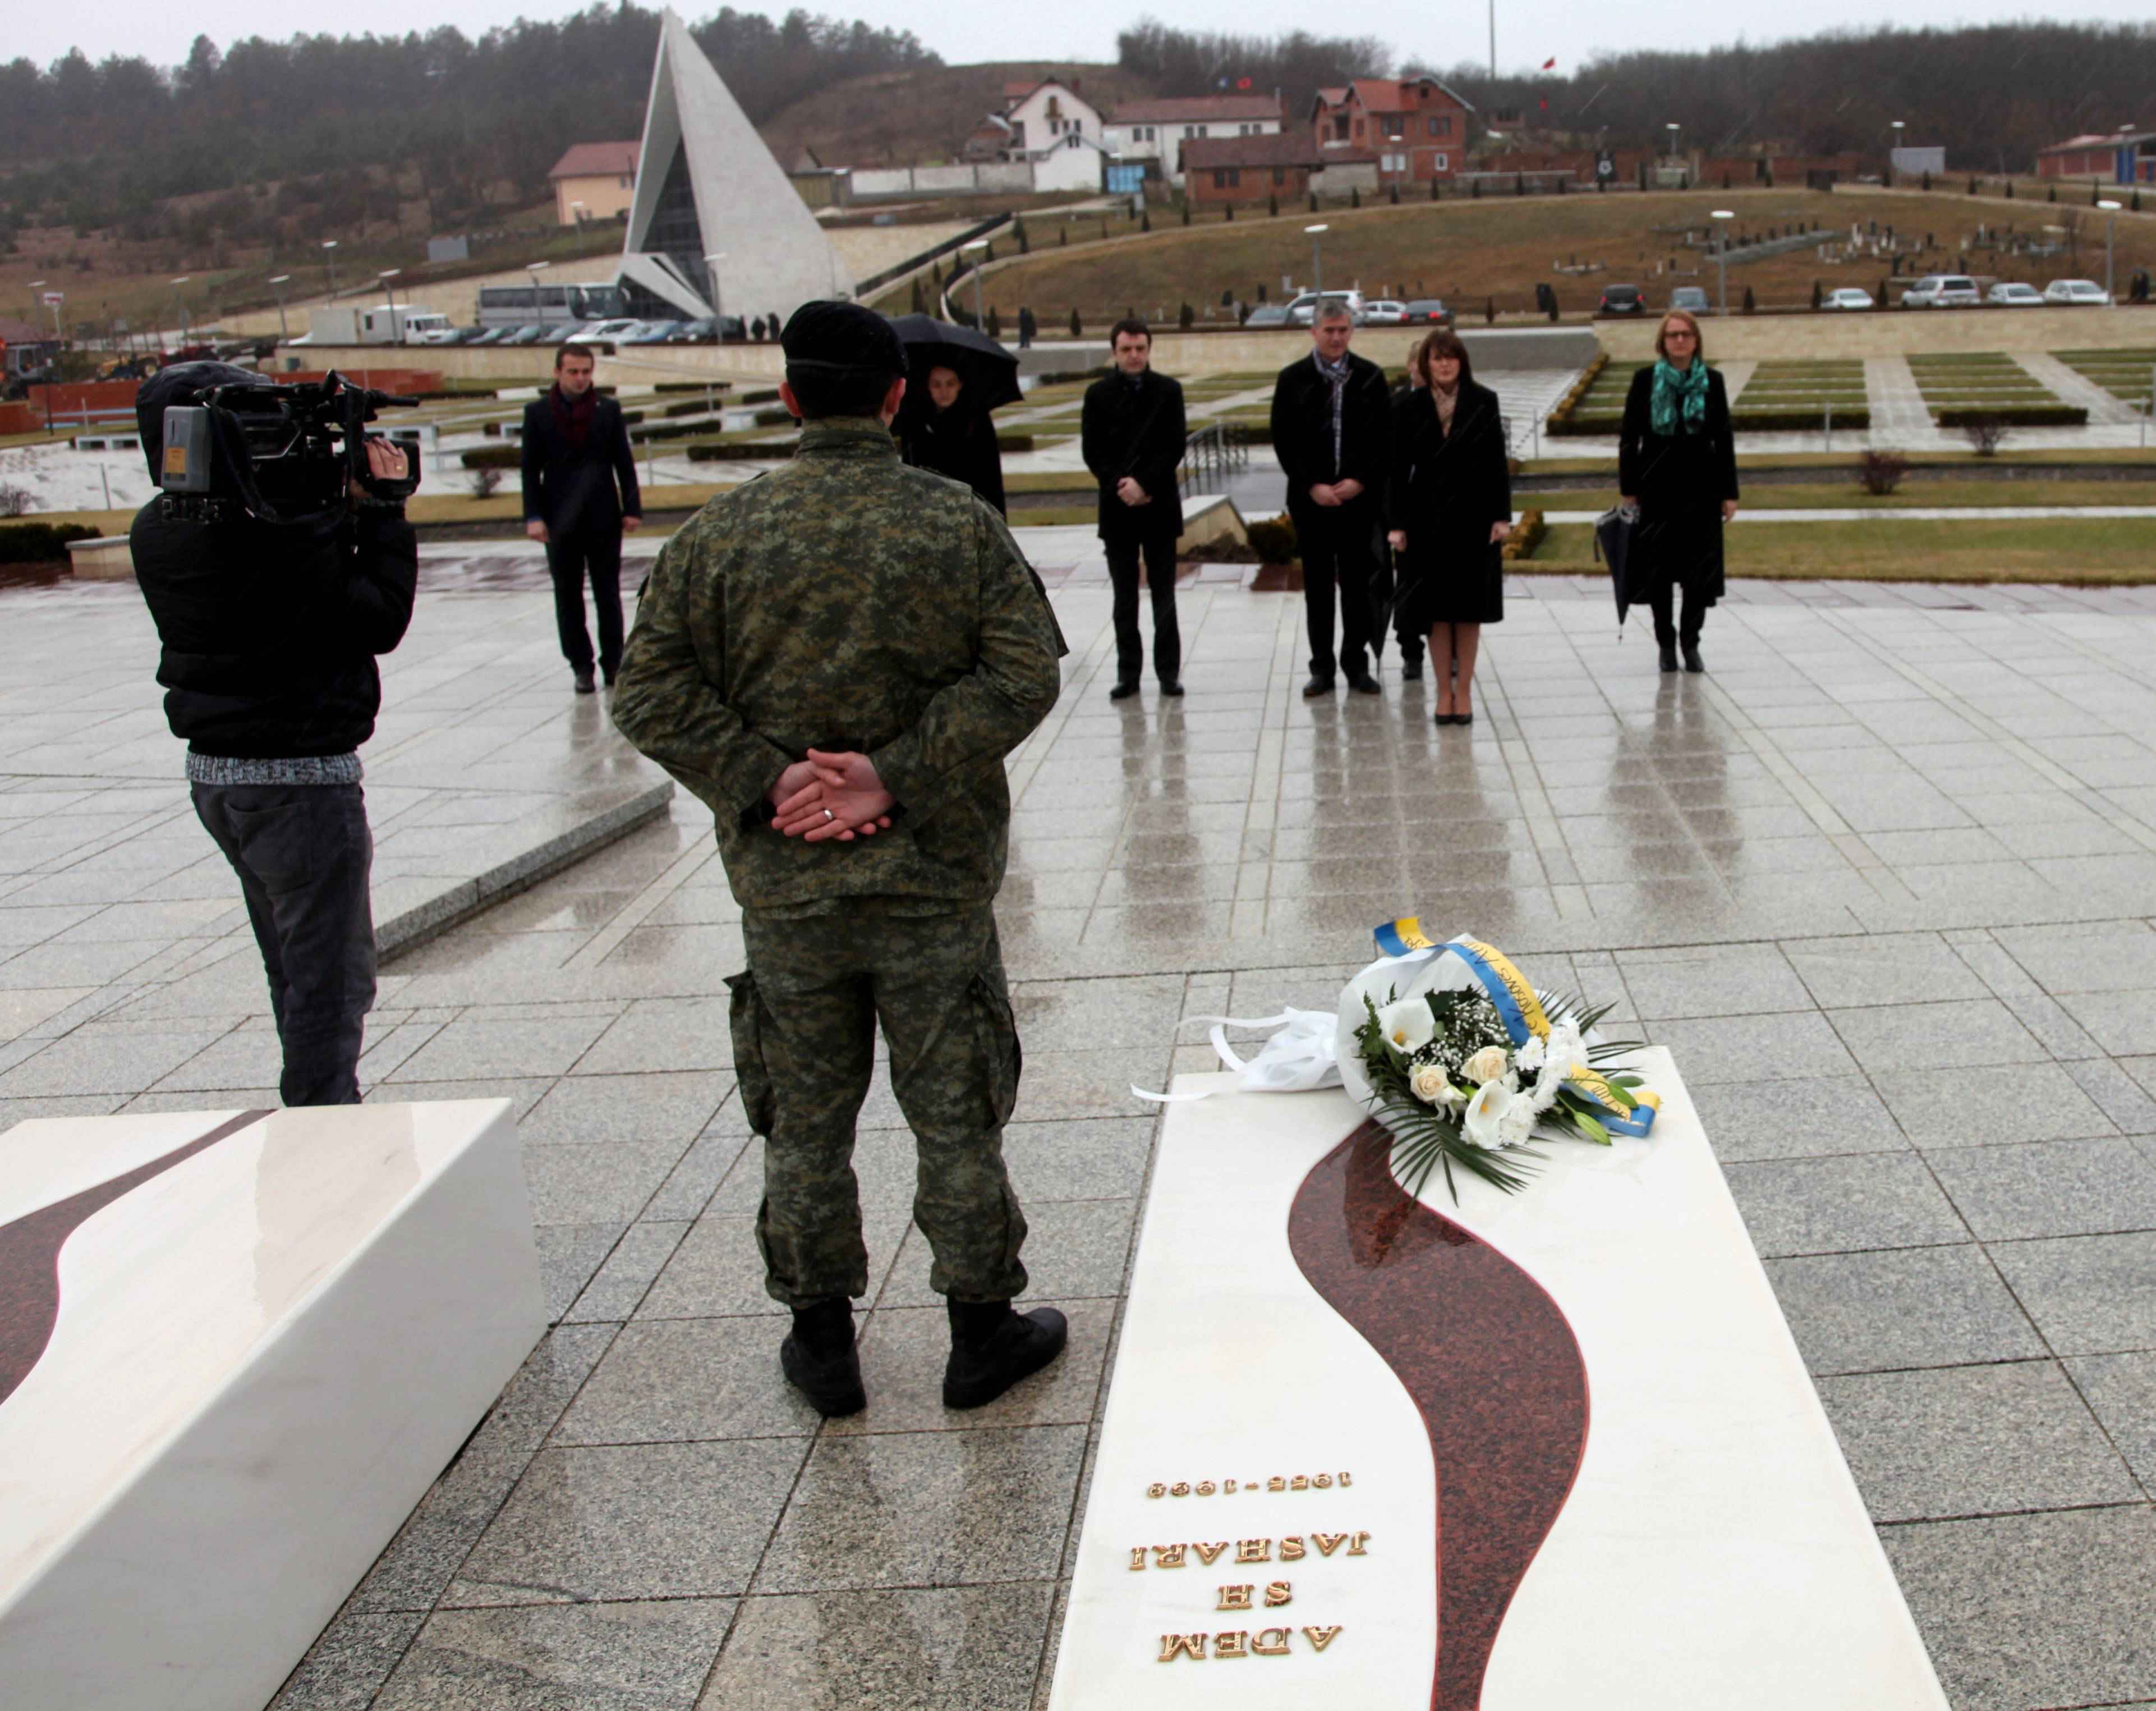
{"points": [[1612, 544], [989, 373]]}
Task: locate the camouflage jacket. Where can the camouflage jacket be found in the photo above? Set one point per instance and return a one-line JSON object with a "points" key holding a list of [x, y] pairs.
{"points": [[845, 601]]}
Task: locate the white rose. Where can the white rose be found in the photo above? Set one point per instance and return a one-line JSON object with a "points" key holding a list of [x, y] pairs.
{"points": [[1408, 1024], [1529, 1056], [1487, 1065], [1429, 1084], [1517, 1122], [1484, 1112]]}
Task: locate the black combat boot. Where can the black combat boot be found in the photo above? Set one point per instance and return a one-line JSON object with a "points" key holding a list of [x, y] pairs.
{"points": [[992, 1348], [819, 1361]]}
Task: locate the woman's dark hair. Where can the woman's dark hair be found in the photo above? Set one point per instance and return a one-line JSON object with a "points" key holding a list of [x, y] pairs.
{"points": [[1444, 342], [847, 393], [1132, 326]]}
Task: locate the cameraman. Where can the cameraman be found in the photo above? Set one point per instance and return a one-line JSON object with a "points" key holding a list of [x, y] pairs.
{"points": [[269, 632]]}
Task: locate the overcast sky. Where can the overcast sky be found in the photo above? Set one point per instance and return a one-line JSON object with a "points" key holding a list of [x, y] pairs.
{"points": [[1528, 31]]}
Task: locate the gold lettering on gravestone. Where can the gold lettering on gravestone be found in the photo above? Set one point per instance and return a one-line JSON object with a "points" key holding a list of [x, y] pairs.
{"points": [[1168, 1556], [1279, 1592], [1233, 1644], [1207, 1553], [1356, 1549], [1137, 1558], [1327, 1542], [1172, 1646], [1320, 1638], [1180, 1489], [1235, 1597], [1254, 1550], [1271, 1643], [1300, 1483], [1205, 1487], [1291, 1549]]}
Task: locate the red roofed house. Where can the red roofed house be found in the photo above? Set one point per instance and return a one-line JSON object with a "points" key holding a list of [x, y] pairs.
{"points": [[1158, 130], [1048, 124], [2126, 156], [1415, 126], [594, 181], [1255, 169]]}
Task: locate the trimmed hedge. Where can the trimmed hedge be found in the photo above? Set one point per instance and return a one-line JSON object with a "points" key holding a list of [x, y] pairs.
{"points": [[2015, 416], [686, 407], [773, 418], [1274, 540], [1013, 442], [1799, 421], [730, 451], [37, 544], [493, 457], [1560, 419], [1527, 534], [767, 395], [699, 385]]}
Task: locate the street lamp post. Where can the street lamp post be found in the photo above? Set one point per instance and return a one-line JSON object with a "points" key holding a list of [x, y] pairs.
{"points": [[389, 278], [1316, 234], [980, 321], [1893, 142], [181, 302], [281, 280], [575, 215], [538, 307], [1672, 127], [1721, 258], [718, 307], [2110, 212], [329, 260]]}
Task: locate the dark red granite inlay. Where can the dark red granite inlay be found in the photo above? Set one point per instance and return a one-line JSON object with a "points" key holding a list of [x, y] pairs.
{"points": [[1489, 1360], [30, 1254]]}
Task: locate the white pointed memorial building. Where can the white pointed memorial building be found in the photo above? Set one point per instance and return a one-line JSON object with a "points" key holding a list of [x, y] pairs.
{"points": [[707, 185]]}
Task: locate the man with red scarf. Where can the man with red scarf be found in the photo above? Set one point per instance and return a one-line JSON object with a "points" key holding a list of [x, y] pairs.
{"points": [[579, 496]]}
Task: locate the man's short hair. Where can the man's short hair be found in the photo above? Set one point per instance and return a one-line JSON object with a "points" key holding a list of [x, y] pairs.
{"points": [[564, 351], [1330, 309], [1132, 325]]}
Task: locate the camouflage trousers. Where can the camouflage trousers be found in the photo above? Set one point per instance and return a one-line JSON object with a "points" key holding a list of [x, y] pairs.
{"points": [[804, 1018]]}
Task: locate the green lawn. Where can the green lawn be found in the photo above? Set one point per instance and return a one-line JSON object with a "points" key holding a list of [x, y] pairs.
{"points": [[2102, 550]]}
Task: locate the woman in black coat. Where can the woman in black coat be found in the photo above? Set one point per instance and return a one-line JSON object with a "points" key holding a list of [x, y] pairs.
{"points": [[943, 434], [1449, 504], [1676, 461]]}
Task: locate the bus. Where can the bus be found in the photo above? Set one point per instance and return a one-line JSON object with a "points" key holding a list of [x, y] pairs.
{"points": [[521, 305]]}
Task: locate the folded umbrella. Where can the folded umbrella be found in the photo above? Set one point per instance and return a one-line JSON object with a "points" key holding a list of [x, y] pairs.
{"points": [[1613, 545], [989, 371]]}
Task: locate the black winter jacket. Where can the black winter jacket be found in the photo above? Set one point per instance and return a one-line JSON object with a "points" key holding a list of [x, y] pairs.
{"points": [[1302, 428], [578, 489], [269, 632], [1137, 431]]}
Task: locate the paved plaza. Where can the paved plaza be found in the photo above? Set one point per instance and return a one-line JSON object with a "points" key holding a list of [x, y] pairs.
{"points": [[1883, 881]]}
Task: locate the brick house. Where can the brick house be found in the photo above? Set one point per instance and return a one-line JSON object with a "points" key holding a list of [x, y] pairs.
{"points": [[1157, 131], [1254, 169], [2125, 156], [1415, 126], [594, 181]]}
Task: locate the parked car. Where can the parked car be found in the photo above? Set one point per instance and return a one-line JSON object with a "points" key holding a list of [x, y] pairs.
{"points": [[1268, 315], [702, 330], [2078, 293], [1942, 290], [490, 336], [1302, 307], [1383, 311], [468, 334], [1622, 300], [1427, 311], [1692, 299], [1846, 297], [648, 333], [2010, 295], [528, 334]]}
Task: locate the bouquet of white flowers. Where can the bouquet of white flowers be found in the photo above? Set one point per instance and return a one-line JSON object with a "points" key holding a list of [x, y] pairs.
{"points": [[1451, 1049]]}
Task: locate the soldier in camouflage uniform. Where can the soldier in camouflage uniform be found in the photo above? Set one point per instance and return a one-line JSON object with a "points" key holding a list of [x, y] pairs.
{"points": [[836, 657]]}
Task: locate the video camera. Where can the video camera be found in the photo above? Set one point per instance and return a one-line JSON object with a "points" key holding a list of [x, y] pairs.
{"points": [[286, 453]]}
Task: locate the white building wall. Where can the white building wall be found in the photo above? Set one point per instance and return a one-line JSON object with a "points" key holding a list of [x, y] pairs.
{"points": [[1071, 113], [1066, 168]]}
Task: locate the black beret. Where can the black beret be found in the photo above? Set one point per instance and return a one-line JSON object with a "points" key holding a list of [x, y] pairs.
{"points": [[842, 339]]}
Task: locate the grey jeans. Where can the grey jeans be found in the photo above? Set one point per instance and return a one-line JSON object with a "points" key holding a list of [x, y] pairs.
{"points": [[303, 853]]}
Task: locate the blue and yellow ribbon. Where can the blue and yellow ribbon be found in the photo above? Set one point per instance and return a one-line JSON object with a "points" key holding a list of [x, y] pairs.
{"points": [[1404, 937]]}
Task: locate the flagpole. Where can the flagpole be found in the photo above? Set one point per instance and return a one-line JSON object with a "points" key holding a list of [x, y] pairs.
{"points": [[1493, 40]]}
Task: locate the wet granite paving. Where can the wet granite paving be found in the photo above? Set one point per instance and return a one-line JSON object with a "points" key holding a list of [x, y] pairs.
{"points": [[1884, 880]]}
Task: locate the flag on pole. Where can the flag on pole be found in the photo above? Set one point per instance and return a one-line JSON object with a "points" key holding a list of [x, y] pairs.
{"points": [[1549, 64], [1242, 83]]}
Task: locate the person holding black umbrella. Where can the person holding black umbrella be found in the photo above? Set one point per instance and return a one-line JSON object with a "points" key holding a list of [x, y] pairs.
{"points": [[1133, 431], [938, 429], [1676, 461]]}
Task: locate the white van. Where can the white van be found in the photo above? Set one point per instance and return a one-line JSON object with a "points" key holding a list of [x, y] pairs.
{"points": [[1302, 307], [1942, 290]]}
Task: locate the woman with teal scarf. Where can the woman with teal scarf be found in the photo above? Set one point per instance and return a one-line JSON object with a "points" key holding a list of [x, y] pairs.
{"points": [[1676, 461]]}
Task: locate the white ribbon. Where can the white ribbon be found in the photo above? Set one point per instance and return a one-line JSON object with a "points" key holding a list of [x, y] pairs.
{"points": [[1300, 1056]]}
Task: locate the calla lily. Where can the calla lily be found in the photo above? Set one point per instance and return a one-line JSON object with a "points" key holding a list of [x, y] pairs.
{"points": [[1485, 1113], [1408, 1024]]}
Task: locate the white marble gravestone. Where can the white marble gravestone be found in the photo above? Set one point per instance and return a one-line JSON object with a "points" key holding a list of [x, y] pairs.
{"points": [[1555, 1449], [235, 1349]]}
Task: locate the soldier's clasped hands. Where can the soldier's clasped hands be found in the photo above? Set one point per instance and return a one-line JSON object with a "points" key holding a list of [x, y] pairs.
{"points": [[831, 796]]}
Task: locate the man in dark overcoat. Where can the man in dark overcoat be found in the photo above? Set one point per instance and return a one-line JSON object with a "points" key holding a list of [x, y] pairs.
{"points": [[1132, 432], [1331, 427], [579, 496]]}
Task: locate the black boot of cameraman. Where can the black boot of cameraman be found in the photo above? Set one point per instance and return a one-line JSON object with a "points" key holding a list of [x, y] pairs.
{"points": [[275, 578]]}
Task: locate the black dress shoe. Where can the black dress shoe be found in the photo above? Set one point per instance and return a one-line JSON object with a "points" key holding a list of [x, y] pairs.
{"points": [[585, 684], [1316, 687], [1692, 660], [1463, 719], [1125, 691], [1411, 670], [992, 1348], [1171, 686], [819, 1360], [1363, 683], [1446, 719], [1669, 656]]}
